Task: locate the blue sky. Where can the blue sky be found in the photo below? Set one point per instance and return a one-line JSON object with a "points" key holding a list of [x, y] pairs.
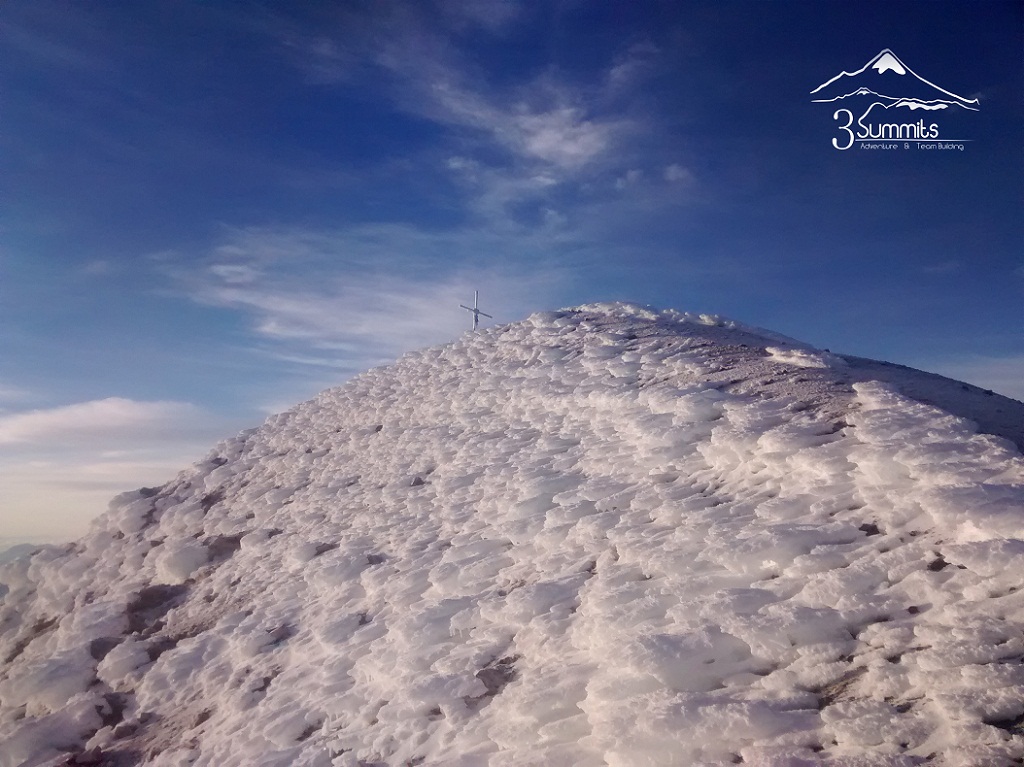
{"points": [[213, 210]]}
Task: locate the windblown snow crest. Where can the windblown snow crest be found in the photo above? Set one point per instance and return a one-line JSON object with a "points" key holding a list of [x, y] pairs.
{"points": [[601, 536]]}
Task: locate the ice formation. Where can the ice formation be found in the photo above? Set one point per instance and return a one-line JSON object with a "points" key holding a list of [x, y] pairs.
{"points": [[600, 536]]}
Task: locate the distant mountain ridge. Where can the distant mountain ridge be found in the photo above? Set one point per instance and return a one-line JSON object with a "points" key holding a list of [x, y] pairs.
{"points": [[606, 535], [13, 552]]}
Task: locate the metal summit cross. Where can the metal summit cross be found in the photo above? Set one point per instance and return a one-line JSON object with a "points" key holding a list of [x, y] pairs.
{"points": [[477, 314]]}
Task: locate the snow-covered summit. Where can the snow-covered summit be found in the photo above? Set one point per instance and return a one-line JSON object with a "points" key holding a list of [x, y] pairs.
{"points": [[600, 536]]}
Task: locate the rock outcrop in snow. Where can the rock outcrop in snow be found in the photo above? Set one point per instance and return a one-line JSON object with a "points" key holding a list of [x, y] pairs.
{"points": [[603, 536]]}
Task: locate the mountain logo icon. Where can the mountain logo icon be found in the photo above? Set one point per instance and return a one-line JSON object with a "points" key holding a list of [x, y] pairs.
{"points": [[885, 83]]}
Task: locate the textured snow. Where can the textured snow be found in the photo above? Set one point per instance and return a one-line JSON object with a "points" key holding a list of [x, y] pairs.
{"points": [[601, 536]]}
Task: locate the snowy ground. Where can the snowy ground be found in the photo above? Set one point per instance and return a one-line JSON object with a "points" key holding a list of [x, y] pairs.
{"points": [[603, 536]]}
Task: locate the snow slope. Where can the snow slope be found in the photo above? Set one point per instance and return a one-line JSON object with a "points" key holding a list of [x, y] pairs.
{"points": [[602, 536]]}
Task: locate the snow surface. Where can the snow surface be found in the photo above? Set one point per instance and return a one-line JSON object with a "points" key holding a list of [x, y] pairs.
{"points": [[601, 536]]}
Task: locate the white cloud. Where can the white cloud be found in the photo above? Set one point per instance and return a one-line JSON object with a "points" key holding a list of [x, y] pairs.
{"points": [[463, 165], [546, 120], [630, 178], [543, 122], [943, 267], [97, 268], [562, 135], [113, 418], [337, 42], [330, 363], [62, 52], [632, 66], [369, 293], [235, 274], [553, 219], [497, 198], [13, 394], [675, 173], [549, 141], [491, 15]]}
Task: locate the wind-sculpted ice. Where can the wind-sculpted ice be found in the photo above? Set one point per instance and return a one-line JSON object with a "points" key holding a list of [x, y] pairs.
{"points": [[601, 536]]}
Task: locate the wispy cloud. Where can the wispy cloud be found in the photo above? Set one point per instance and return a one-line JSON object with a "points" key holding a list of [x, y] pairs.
{"points": [[562, 135], [98, 267], [550, 156], [943, 267], [364, 295], [491, 15], [677, 174], [630, 178], [22, 32], [546, 122], [416, 56], [344, 39], [13, 395], [113, 418], [633, 66]]}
